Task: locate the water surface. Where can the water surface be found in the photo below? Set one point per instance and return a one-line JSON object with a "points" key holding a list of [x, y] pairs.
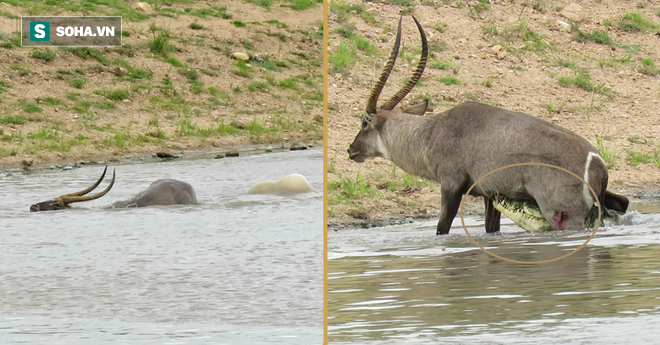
{"points": [[235, 269], [401, 284]]}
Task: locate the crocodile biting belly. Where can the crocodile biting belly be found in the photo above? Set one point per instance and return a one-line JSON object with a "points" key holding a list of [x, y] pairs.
{"points": [[527, 214]]}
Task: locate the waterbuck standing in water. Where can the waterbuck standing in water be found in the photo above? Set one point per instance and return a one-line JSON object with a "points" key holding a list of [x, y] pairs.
{"points": [[457, 147], [160, 192]]}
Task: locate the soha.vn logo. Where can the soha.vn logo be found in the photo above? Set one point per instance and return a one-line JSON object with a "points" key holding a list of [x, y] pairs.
{"points": [[40, 31]]}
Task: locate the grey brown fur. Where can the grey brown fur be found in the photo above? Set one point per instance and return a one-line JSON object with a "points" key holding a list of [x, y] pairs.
{"points": [[457, 147], [162, 192]]}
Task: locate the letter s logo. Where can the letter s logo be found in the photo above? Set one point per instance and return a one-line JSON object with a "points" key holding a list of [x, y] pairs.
{"points": [[39, 31]]}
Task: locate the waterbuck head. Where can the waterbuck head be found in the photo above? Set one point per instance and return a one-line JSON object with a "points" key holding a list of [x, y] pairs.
{"points": [[63, 201], [368, 143]]}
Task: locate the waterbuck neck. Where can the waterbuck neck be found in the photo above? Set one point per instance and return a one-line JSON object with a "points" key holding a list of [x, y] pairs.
{"points": [[405, 140]]}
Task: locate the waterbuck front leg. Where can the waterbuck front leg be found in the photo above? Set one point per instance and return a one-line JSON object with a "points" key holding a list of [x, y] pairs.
{"points": [[451, 201], [492, 217]]}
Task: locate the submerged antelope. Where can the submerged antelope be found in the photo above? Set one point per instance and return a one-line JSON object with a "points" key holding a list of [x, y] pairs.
{"points": [[460, 145], [160, 192]]}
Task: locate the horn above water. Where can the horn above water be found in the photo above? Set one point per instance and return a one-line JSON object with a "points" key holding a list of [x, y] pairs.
{"points": [[76, 197], [375, 92], [85, 191], [392, 102]]}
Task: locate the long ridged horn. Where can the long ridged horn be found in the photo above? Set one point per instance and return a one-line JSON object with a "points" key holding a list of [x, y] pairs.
{"points": [[392, 102], [85, 191], [71, 199], [375, 92]]}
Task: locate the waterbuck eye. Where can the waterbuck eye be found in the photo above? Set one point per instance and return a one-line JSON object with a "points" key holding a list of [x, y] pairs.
{"points": [[364, 124]]}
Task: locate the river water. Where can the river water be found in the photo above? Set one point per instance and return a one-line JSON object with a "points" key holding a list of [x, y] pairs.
{"points": [[402, 284], [235, 269]]}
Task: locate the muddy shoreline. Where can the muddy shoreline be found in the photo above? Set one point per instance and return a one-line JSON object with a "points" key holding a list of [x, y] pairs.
{"points": [[473, 208], [151, 155]]}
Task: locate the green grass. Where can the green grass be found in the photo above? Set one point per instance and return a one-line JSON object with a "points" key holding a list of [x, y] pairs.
{"points": [[189, 73], [489, 30], [230, 129], [532, 41], [213, 11], [450, 81], [243, 69], [49, 101], [248, 45], [581, 79], [43, 54], [238, 24], [364, 45], [300, 5], [408, 181], [349, 190], [196, 87], [82, 106], [138, 73], [633, 21], [344, 57], [649, 68], [613, 61], [289, 83], [610, 157], [174, 61], [78, 82], [257, 128], [43, 133], [344, 10], [445, 65], [113, 94], [32, 108], [598, 36], [635, 158], [277, 23], [84, 53], [161, 44], [22, 71], [553, 109], [104, 105], [14, 120], [262, 3], [196, 26], [271, 65], [258, 87]]}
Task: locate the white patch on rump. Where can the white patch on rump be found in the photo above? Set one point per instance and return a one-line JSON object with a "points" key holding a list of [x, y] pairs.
{"points": [[588, 197]]}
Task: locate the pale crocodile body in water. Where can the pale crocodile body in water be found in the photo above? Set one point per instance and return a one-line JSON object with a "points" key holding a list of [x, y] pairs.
{"points": [[527, 214]]}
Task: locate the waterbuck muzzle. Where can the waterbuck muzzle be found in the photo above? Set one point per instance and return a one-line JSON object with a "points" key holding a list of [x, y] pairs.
{"points": [[368, 142], [63, 201]]}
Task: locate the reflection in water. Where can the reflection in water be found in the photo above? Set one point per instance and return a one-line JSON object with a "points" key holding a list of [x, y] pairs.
{"points": [[400, 282], [237, 268]]}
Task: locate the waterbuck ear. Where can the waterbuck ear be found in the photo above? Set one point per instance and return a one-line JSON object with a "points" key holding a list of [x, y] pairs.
{"points": [[418, 109], [366, 117]]}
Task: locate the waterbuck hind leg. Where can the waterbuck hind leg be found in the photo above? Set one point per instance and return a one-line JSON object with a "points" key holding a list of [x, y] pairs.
{"points": [[451, 201], [615, 202], [492, 217]]}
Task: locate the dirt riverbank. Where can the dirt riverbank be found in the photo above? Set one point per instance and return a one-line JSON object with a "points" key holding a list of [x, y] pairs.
{"points": [[174, 85]]}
